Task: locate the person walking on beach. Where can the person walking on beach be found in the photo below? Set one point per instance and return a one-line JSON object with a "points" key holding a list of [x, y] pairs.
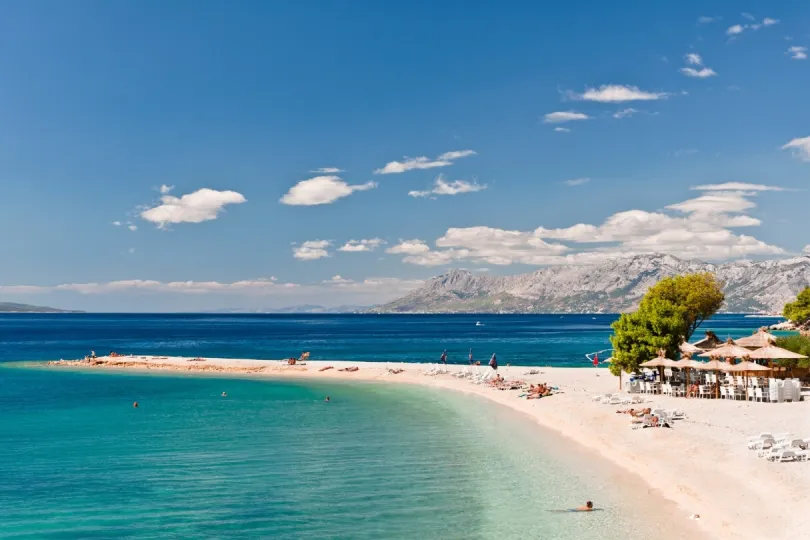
{"points": [[493, 362], [443, 358], [471, 358]]}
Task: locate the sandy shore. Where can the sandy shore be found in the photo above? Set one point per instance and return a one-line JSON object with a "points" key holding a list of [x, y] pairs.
{"points": [[702, 464]]}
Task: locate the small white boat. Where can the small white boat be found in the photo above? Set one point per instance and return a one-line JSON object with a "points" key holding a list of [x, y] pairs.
{"points": [[478, 323]]}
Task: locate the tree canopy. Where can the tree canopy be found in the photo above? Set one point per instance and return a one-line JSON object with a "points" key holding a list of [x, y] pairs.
{"points": [[668, 314], [799, 311], [798, 344]]}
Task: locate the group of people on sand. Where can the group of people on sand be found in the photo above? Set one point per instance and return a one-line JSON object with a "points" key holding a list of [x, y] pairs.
{"points": [[539, 391], [644, 416]]}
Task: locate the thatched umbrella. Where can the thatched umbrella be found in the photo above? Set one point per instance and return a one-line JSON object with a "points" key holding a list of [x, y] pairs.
{"points": [[686, 363], [745, 367], [709, 342], [760, 339], [772, 352], [660, 361], [688, 348], [728, 350], [715, 365]]}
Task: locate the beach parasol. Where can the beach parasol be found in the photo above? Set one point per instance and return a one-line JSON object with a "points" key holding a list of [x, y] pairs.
{"points": [[772, 352], [760, 339], [715, 365], [746, 366], [728, 350], [688, 348], [686, 364], [660, 361]]}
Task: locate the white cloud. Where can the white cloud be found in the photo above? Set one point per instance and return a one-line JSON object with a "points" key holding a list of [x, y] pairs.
{"points": [[132, 228], [625, 113], [800, 148], [354, 246], [577, 181], [806, 249], [444, 160], [116, 223], [706, 20], [735, 30], [693, 59], [562, 130], [311, 250], [164, 189], [699, 228], [616, 93], [327, 170], [681, 152], [736, 186], [443, 187], [369, 290], [202, 205], [337, 279], [564, 116], [321, 190], [797, 53], [132, 250], [456, 154], [767, 21], [699, 73], [748, 16], [409, 247]]}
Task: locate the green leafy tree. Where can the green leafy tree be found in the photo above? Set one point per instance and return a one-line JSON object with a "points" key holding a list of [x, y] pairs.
{"points": [[799, 311], [668, 314], [699, 295], [798, 344]]}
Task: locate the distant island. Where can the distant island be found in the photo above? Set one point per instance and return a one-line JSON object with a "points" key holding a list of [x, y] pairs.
{"points": [[12, 307]]}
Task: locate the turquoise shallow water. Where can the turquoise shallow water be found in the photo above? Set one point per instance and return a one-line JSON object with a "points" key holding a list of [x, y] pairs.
{"points": [[272, 460]]}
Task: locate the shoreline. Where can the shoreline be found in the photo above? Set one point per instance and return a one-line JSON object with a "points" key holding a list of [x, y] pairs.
{"points": [[701, 464]]}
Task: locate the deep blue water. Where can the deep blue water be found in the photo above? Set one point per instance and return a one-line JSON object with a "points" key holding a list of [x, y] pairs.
{"points": [[561, 340]]}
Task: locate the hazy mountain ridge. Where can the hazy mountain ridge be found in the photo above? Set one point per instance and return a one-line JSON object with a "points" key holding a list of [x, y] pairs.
{"points": [[12, 307], [613, 286]]}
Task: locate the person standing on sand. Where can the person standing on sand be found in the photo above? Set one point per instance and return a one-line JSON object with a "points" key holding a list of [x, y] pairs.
{"points": [[471, 358], [493, 362], [443, 358]]}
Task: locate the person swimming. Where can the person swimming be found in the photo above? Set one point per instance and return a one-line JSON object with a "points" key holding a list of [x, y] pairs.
{"points": [[135, 404], [587, 508], [326, 399], [224, 394]]}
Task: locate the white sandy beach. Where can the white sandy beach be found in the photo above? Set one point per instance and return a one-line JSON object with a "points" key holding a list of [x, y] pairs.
{"points": [[702, 464]]}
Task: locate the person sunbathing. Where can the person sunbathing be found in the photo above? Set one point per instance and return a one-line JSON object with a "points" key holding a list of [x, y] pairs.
{"points": [[326, 368], [350, 369], [631, 412]]}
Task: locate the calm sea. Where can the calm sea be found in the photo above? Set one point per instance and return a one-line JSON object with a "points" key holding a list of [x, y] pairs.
{"points": [[560, 340], [273, 460]]}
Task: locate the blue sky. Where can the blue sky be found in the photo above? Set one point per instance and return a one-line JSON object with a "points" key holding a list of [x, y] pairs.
{"points": [[514, 136]]}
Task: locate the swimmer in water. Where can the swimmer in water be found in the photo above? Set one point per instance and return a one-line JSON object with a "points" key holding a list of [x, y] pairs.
{"points": [[135, 404], [224, 394], [326, 399], [587, 508]]}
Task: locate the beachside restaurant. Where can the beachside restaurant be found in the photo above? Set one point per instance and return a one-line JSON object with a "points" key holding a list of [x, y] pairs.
{"points": [[722, 377]]}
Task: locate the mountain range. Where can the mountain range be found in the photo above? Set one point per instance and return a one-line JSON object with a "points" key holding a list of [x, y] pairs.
{"points": [[614, 286], [11, 307]]}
